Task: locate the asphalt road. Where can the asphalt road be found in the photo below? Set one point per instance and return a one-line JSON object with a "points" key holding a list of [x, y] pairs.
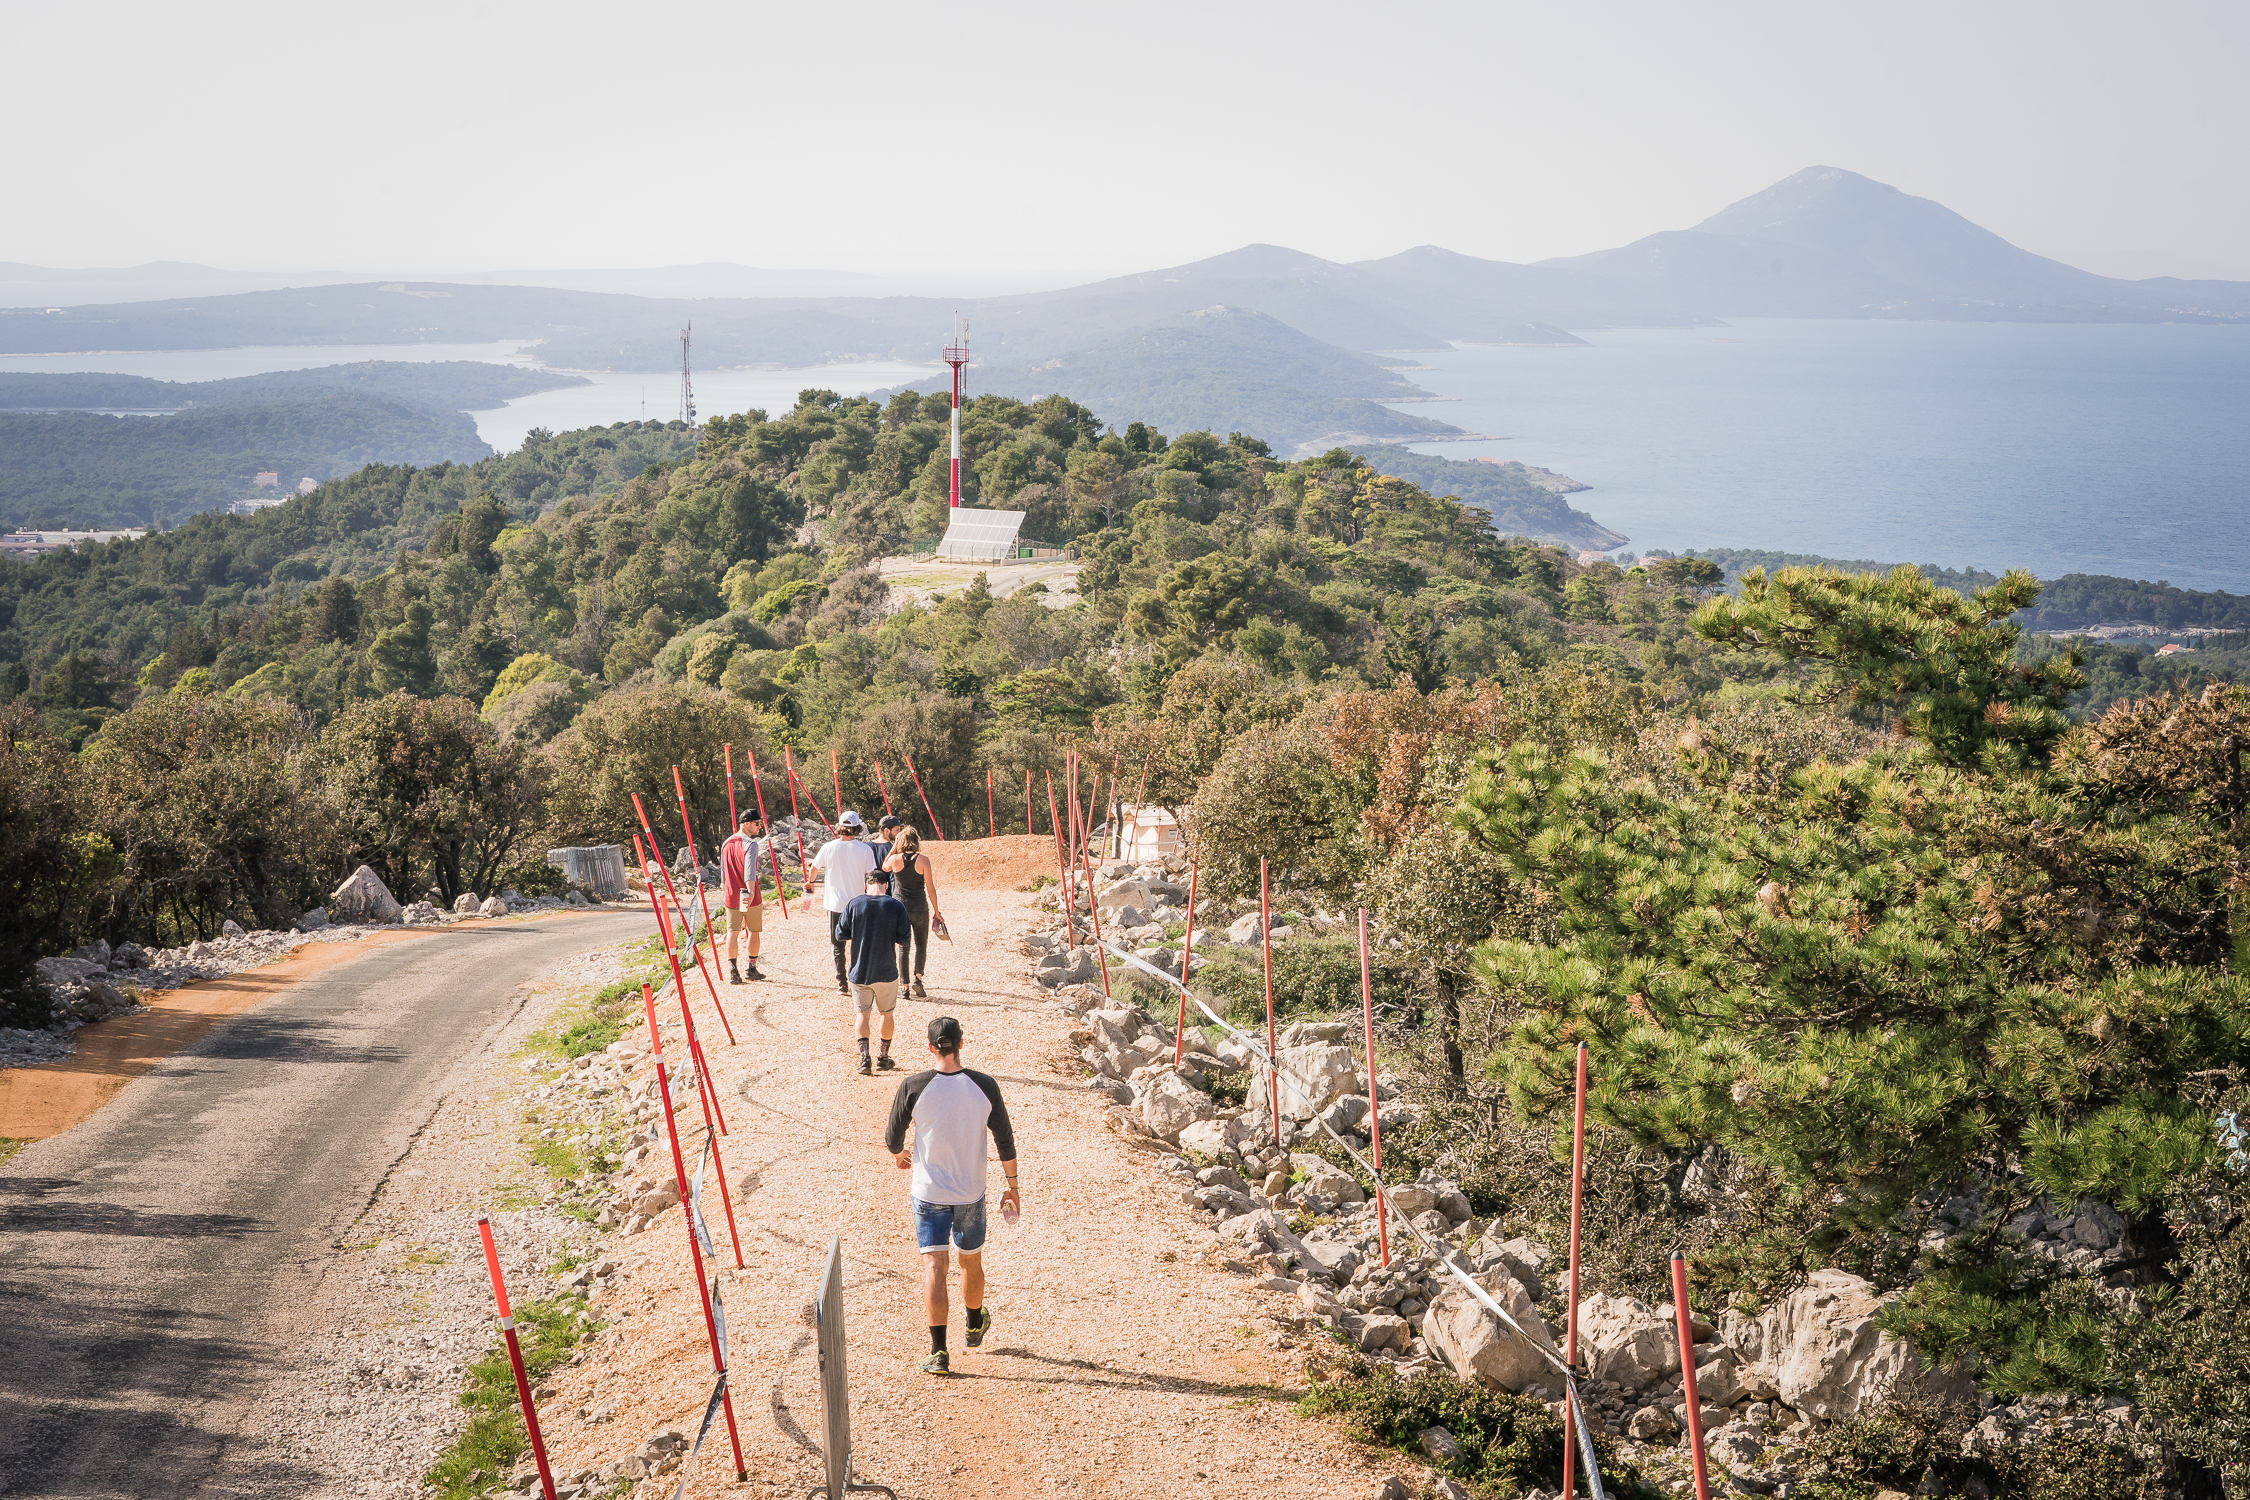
{"points": [[147, 1255]]}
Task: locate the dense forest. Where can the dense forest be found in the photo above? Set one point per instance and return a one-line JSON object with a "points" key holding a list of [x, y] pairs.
{"points": [[1876, 948], [66, 465]]}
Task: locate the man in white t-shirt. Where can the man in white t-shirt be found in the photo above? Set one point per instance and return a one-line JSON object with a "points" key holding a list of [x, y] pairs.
{"points": [[843, 863], [950, 1109]]}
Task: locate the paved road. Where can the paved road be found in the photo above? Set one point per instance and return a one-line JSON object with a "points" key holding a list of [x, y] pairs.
{"points": [[145, 1255]]}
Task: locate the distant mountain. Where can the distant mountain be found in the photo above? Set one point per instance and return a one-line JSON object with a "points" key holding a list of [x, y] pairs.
{"points": [[1827, 243], [448, 385], [1226, 369]]}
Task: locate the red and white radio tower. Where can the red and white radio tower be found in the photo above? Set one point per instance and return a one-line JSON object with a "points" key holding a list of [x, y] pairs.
{"points": [[957, 356]]}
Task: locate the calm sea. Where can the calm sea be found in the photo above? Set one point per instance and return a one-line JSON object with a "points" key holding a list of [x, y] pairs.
{"points": [[2070, 448]]}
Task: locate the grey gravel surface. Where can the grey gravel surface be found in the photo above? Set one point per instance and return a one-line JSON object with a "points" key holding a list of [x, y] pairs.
{"points": [[156, 1263]]}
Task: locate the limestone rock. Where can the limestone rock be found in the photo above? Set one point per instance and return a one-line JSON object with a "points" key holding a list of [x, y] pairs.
{"points": [[1313, 1076], [314, 920], [1172, 1104], [230, 928], [1627, 1342], [466, 903], [363, 898], [1820, 1350], [421, 914], [1392, 1488], [493, 907], [1652, 1424], [1382, 1331], [1439, 1443], [1477, 1346]]}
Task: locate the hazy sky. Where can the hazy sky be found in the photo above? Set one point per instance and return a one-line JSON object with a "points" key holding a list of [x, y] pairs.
{"points": [[1067, 140]]}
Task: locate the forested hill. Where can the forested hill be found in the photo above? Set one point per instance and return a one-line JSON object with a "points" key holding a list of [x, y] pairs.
{"points": [[65, 465], [1521, 500]]}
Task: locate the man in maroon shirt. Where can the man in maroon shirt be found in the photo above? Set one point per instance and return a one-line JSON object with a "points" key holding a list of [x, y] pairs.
{"points": [[746, 912]]}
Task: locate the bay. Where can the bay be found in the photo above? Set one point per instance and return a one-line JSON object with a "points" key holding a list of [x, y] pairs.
{"points": [[2063, 448]]}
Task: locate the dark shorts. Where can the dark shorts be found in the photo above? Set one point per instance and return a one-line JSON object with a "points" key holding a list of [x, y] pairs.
{"points": [[934, 1223]]}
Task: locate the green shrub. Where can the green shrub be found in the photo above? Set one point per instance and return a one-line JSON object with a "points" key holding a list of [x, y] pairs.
{"points": [[483, 1452], [1912, 1442], [1311, 977], [1509, 1443]]}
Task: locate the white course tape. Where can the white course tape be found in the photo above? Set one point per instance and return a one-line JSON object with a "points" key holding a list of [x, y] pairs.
{"points": [[1575, 1407]]}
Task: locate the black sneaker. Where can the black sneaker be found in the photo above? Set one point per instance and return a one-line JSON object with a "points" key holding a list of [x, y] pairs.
{"points": [[918, 992], [935, 1364], [864, 1069], [886, 1062], [752, 973], [734, 975], [979, 1326]]}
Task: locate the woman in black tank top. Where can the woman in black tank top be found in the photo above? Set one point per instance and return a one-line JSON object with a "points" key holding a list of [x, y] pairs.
{"points": [[915, 885]]}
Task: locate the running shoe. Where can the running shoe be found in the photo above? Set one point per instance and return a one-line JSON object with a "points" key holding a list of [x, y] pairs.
{"points": [[843, 987], [979, 1326], [734, 975], [864, 1069], [919, 992], [753, 972], [935, 1364], [886, 1062]]}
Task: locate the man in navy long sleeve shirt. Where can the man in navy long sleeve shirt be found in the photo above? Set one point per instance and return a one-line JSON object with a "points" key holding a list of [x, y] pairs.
{"points": [[874, 924]]}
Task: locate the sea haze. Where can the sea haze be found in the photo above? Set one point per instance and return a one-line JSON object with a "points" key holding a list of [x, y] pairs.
{"points": [[2063, 448]]}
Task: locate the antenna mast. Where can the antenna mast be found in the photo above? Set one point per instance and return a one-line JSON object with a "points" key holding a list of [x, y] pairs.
{"points": [[687, 384], [957, 357]]}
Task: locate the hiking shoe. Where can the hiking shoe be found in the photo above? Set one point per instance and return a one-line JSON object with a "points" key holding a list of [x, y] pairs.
{"points": [[864, 1069], [919, 992], [886, 1062], [751, 973], [734, 975], [935, 1364], [980, 1326]]}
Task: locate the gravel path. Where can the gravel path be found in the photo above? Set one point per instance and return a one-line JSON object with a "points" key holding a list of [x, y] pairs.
{"points": [[235, 1280], [1126, 1360]]}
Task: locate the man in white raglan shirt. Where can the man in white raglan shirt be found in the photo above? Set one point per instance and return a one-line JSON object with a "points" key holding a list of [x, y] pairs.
{"points": [[843, 863], [950, 1109]]}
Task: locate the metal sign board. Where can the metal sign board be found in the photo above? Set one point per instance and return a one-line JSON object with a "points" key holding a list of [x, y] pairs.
{"points": [[835, 1388]]}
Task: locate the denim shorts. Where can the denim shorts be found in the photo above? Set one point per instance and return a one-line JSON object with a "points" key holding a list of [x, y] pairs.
{"points": [[935, 1222]]}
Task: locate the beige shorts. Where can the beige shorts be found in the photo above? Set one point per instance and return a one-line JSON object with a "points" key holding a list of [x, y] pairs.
{"points": [[882, 997], [747, 918]]}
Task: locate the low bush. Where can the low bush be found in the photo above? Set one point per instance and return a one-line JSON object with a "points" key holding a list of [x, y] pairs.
{"points": [[1913, 1443], [483, 1452]]}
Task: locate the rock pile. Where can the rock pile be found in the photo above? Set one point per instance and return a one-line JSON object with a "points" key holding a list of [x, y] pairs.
{"points": [[1138, 905]]}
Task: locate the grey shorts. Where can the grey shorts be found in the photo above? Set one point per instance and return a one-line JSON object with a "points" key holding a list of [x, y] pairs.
{"points": [[882, 996]]}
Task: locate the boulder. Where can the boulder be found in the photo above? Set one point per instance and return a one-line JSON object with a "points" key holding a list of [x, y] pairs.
{"points": [[1381, 1332], [1263, 1229], [314, 920], [493, 906], [1345, 1115], [1313, 1076], [1333, 1185], [230, 928], [1627, 1342], [1410, 1198], [1477, 1346], [1304, 1033], [1115, 1090], [363, 898], [1209, 1138], [1652, 1424], [1226, 1202], [1124, 894], [56, 972], [1171, 1104], [1243, 929], [1820, 1350], [466, 903], [421, 914], [1525, 1258], [1440, 1444]]}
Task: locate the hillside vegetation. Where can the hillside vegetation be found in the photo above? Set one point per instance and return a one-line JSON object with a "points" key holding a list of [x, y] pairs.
{"points": [[1875, 950]]}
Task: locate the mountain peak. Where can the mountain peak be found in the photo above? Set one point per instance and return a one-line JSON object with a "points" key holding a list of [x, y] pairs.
{"points": [[1814, 193]]}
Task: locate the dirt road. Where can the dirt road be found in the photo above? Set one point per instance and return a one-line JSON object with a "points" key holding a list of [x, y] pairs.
{"points": [[1124, 1361], [148, 1256]]}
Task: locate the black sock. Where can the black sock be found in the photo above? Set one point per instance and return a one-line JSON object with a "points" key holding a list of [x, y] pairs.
{"points": [[863, 1046], [886, 1046], [937, 1338], [976, 1317]]}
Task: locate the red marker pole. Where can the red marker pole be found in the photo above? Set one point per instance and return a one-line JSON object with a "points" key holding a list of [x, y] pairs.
{"points": [[758, 786], [804, 870], [702, 895], [726, 1199], [1577, 1186], [1687, 1373], [925, 796], [1101, 954], [515, 1355], [664, 931], [1187, 952], [695, 1251], [1374, 1104], [1265, 941], [734, 818], [880, 787], [1062, 870], [694, 950]]}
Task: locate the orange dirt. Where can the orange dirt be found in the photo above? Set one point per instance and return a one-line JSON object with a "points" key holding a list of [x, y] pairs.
{"points": [[1007, 863]]}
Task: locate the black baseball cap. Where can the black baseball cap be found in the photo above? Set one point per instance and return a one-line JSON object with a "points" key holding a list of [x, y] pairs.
{"points": [[945, 1034], [888, 822], [749, 817]]}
